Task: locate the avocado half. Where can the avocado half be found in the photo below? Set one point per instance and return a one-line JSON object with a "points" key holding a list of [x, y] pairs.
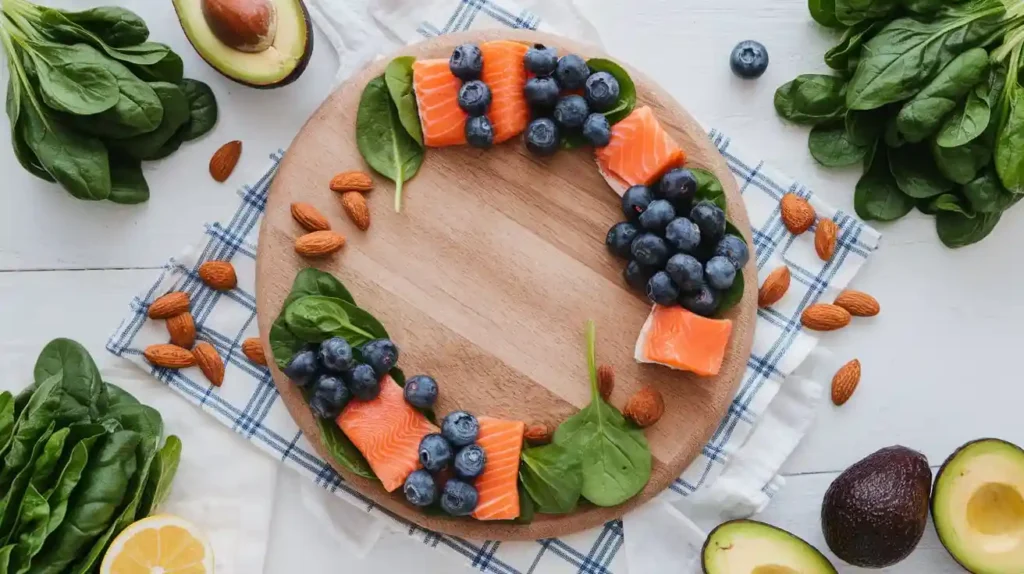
{"points": [[978, 506], [745, 546], [279, 64]]}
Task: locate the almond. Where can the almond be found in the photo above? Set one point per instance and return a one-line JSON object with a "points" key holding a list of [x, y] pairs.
{"points": [[219, 275], [645, 407], [356, 208], [858, 303], [825, 317], [210, 362], [169, 305], [825, 239], [319, 243], [224, 160], [253, 350], [774, 287], [182, 329], [537, 434], [797, 214], [309, 217], [352, 181], [845, 382], [605, 381], [169, 356]]}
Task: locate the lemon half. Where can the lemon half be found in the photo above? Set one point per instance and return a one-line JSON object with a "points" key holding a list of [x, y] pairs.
{"points": [[161, 544]]}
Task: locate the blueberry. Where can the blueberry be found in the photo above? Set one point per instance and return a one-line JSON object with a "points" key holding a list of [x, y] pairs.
{"points": [[542, 137], [657, 216], [686, 272], [679, 186], [381, 354], [749, 59], [650, 250], [571, 111], [363, 382], [420, 488], [541, 93], [330, 395], [467, 62], [637, 276], [702, 302], [540, 60], [620, 238], [460, 428], [435, 452], [474, 98], [710, 219], [469, 462], [734, 249], [596, 130], [479, 132], [421, 391], [601, 91], [635, 201], [661, 289], [719, 272], [302, 367], [571, 72], [459, 498], [683, 235], [335, 355]]}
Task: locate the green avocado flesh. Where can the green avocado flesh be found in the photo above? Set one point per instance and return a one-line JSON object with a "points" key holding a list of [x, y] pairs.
{"points": [[277, 65], [751, 547], [978, 506]]}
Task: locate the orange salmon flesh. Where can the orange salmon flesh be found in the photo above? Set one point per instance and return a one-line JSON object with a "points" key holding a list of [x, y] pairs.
{"points": [[677, 338], [640, 150], [498, 485]]}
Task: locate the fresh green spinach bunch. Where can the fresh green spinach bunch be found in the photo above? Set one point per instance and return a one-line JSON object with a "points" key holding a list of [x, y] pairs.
{"points": [[925, 94], [89, 98], [80, 460]]}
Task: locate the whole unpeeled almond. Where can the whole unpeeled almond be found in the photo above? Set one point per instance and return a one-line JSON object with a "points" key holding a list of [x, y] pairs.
{"points": [[645, 407], [224, 160], [169, 356], [774, 287], [825, 239], [537, 434], [858, 303], [219, 275], [797, 213], [169, 305], [605, 381], [825, 317], [309, 217], [352, 181], [182, 329], [209, 362], [319, 243], [356, 208], [845, 382], [253, 350]]}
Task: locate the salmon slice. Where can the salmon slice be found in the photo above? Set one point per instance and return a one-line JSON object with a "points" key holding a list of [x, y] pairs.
{"points": [[387, 430], [437, 95], [502, 442], [639, 151], [505, 74], [677, 338]]}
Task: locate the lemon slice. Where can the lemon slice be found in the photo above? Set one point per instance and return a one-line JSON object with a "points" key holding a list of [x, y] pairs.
{"points": [[161, 544]]}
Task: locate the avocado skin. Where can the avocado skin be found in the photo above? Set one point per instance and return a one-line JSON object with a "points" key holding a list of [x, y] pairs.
{"points": [[875, 512]]}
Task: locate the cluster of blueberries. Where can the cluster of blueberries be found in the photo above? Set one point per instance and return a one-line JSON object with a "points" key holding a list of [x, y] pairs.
{"points": [[453, 448], [678, 250]]}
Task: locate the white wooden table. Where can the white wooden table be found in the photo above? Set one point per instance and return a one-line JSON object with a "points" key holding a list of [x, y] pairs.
{"points": [[939, 363]]}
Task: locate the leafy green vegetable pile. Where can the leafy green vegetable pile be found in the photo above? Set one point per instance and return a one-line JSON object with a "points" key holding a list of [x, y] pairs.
{"points": [[89, 98], [926, 93], [81, 460]]}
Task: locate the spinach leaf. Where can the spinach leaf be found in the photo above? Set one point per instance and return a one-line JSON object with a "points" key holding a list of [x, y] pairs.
{"points": [[137, 111], [627, 90], [116, 26], [527, 509], [616, 458], [26, 157], [851, 12], [893, 138], [923, 7], [28, 540], [202, 106], [381, 139], [398, 77], [73, 79], [127, 183], [176, 113], [83, 438], [169, 68], [923, 115], [915, 172], [1009, 149], [341, 449], [553, 477], [957, 230], [709, 188], [973, 116], [15, 488], [117, 396], [864, 127], [961, 164], [845, 55], [80, 377], [824, 12], [61, 29], [6, 419], [832, 146], [812, 99], [315, 318], [283, 343], [18, 511], [877, 196], [161, 475], [312, 281], [986, 194]]}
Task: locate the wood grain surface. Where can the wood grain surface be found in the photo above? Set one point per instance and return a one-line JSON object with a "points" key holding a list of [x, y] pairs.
{"points": [[486, 279]]}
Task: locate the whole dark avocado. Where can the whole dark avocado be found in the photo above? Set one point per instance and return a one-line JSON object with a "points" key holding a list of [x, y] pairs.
{"points": [[875, 512]]}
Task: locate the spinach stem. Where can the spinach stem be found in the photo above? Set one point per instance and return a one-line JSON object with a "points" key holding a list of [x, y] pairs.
{"points": [[595, 393], [398, 193]]}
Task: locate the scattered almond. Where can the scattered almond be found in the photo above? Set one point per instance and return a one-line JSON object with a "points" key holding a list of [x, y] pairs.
{"points": [[825, 239], [774, 287], [356, 208], [858, 303], [605, 381], [209, 362], [645, 407], [309, 217], [219, 275], [845, 382], [825, 317], [182, 329], [537, 434], [797, 214], [224, 160], [169, 305], [253, 350], [319, 243], [169, 356], [352, 181]]}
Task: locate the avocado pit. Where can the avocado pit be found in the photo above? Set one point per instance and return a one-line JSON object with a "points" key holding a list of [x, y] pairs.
{"points": [[245, 25]]}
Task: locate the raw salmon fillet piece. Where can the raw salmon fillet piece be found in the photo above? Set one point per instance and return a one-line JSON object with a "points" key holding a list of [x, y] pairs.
{"points": [[498, 488], [677, 338], [387, 430], [505, 74], [437, 95], [640, 150]]}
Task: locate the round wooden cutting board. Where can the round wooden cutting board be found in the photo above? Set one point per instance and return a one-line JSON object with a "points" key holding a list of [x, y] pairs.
{"points": [[487, 277]]}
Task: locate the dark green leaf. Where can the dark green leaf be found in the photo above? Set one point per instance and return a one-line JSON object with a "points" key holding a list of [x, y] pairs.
{"points": [[951, 203], [114, 25], [627, 91], [956, 230], [864, 127], [526, 507], [169, 68], [312, 281], [137, 111], [176, 114], [398, 77], [315, 318], [850, 12], [381, 139], [973, 116], [127, 183], [26, 157], [915, 172], [812, 99], [924, 7], [923, 115], [6, 419], [1009, 149], [824, 12], [32, 520], [80, 377], [202, 107], [846, 54], [877, 196], [14, 490], [709, 188], [342, 451], [831, 146], [961, 164], [553, 477], [74, 79], [986, 194]]}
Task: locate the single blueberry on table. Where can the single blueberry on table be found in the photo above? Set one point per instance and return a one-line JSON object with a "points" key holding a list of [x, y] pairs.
{"points": [[657, 216], [734, 249], [686, 272], [421, 391], [650, 250], [719, 273], [469, 462], [572, 72], [596, 130], [435, 452], [635, 201], [363, 382], [703, 302], [475, 98], [601, 91], [458, 498], [541, 93], [710, 219], [540, 60], [420, 488], [460, 428], [679, 186], [542, 137], [683, 235], [570, 112], [466, 62], [749, 59], [620, 239], [479, 132], [302, 367], [381, 354], [330, 395], [637, 276], [662, 290], [335, 355]]}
